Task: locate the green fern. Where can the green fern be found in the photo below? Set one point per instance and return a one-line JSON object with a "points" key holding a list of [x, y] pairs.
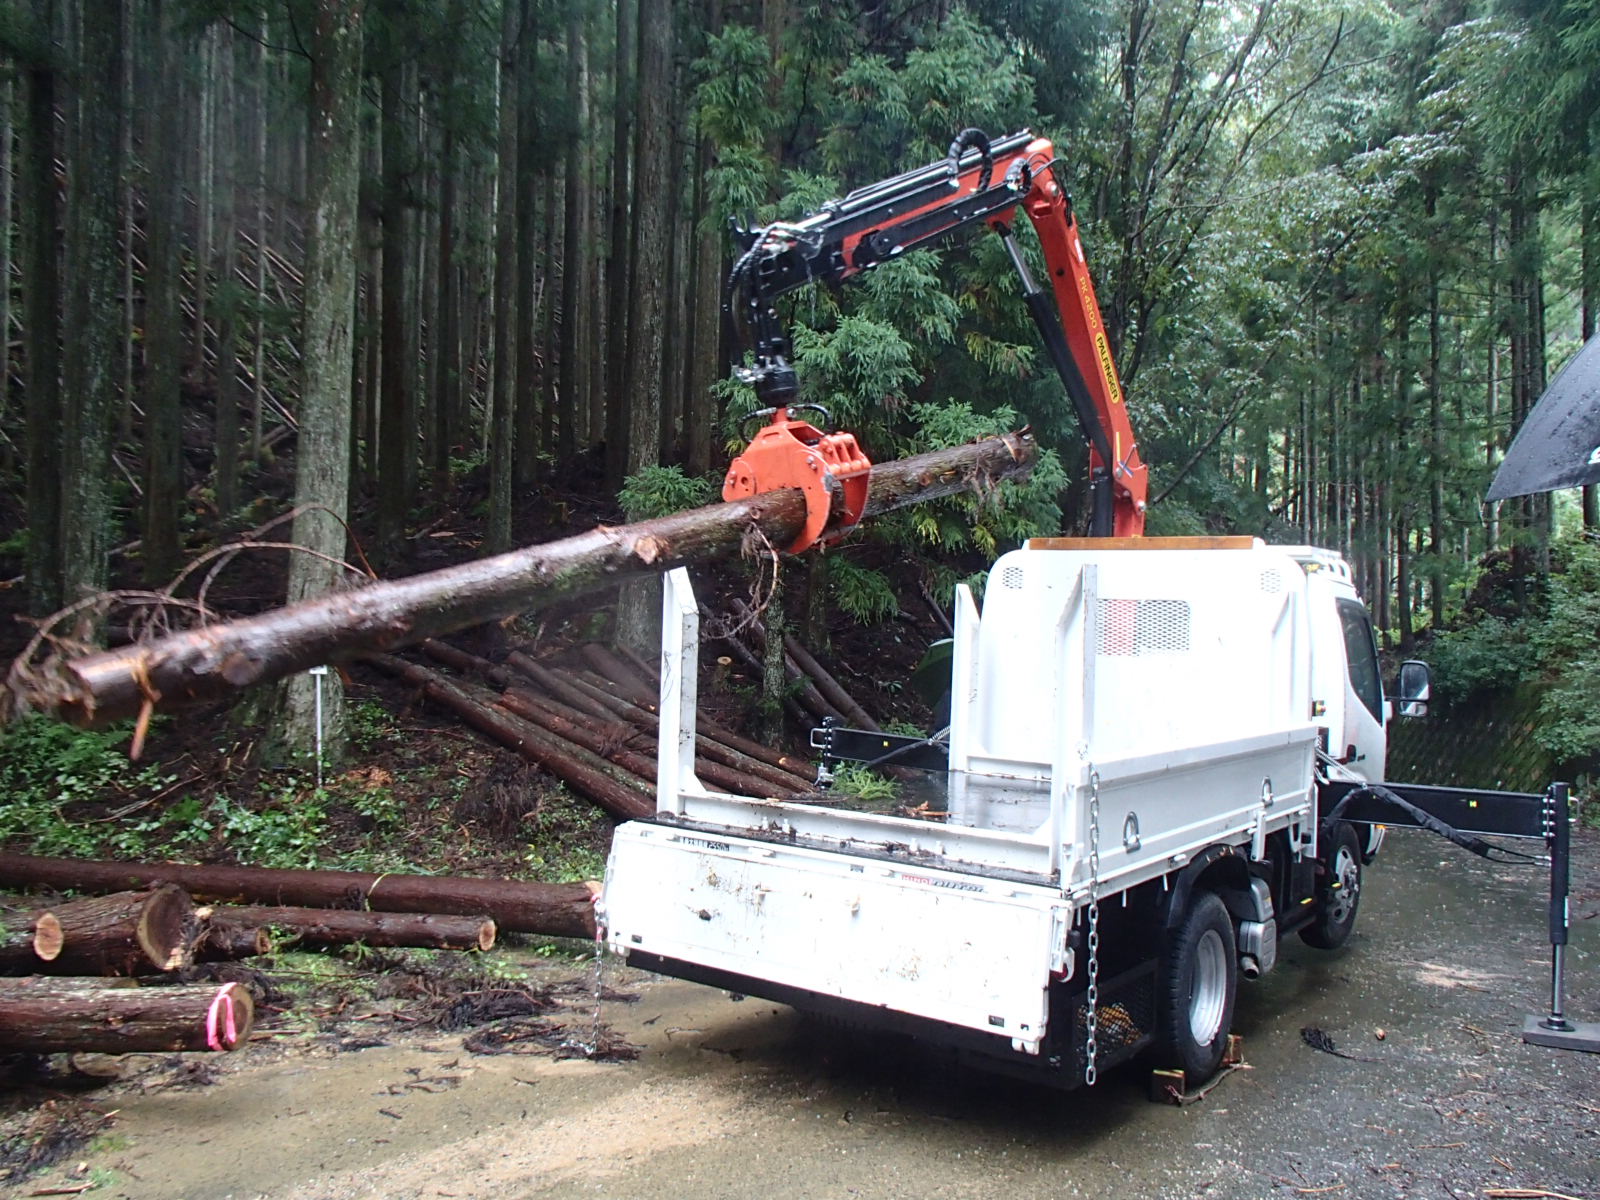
{"points": [[861, 592], [659, 491]]}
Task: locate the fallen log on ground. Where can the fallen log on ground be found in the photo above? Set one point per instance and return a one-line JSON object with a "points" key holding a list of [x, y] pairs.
{"points": [[551, 909], [624, 744], [581, 695], [217, 660], [623, 794], [707, 746], [322, 927], [47, 1016], [830, 688], [227, 942], [28, 940], [125, 933]]}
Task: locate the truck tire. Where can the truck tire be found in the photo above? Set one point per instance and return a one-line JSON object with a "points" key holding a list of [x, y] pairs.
{"points": [[1338, 891], [1199, 981]]}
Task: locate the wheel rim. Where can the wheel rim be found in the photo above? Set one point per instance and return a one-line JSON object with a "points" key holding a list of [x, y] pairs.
{"points": [[1347, 873], [1209, 994]]}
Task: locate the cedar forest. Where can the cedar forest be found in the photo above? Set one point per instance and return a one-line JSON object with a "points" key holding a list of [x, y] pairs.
{"points": [[394, 253]]}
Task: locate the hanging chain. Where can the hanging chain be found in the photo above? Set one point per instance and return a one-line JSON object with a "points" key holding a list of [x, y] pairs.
{"points": [[1091, 1048]]}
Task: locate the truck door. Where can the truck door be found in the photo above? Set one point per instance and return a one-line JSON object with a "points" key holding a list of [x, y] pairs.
{"points": [[1362, 747]]}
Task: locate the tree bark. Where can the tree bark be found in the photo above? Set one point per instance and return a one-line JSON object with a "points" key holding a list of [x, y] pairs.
{"points": [[216, 661], [163, 343], [502, 405], [575, 280], [395, 399], [227, 942], [230, 409], [322, 456], [125, 933], [551, 909], [93, 325], [39, 219], [619, 267], [29, 939], [322, 927], [46, 1016]]}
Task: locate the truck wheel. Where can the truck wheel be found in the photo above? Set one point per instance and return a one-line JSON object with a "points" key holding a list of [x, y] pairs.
{"points": [[1338, 891], [1200, 980]]}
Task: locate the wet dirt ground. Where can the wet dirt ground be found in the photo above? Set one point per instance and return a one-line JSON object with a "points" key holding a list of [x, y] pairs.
{"points": [[734, 1099]]}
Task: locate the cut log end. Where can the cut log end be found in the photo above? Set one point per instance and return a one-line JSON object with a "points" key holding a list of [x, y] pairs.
{"points": [[166, 928], [47, 937]]}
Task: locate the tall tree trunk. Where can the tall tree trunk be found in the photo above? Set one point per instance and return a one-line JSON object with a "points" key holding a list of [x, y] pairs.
{"points": [[637, 619], [575, 280], [705, 350], [322, 463], [93, 326], [502, 405], [225, 160], [163, 341], [652, 185], [619, 270], [395, 400], [446, 327], [41, 295], [532, 274], [204, 198], [7, 129], [258, 382]]}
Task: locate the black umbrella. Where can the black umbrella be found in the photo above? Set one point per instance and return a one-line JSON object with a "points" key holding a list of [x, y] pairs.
{"points": [[1558, 445]]}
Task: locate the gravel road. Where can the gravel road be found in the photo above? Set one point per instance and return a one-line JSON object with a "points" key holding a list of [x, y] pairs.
{"points": [[735, 1099]]}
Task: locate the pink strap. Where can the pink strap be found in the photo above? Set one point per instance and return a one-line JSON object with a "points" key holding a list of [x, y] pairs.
{"points": [[222, 1006]]}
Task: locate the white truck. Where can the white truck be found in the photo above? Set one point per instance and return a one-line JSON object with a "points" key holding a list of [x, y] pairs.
{"points": [[1128, 822]]}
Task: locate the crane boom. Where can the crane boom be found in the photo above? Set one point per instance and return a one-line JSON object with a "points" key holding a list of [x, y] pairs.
{"points": [[978, 182]]}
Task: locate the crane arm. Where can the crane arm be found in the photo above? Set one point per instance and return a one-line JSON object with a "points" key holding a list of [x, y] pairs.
{"points": [[978, 182]]}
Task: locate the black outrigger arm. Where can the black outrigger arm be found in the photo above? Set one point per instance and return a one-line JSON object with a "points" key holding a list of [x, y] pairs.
{"points": [[1465, 816]]}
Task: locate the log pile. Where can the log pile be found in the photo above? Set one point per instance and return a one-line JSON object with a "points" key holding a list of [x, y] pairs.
{"points": [[590, 720]]}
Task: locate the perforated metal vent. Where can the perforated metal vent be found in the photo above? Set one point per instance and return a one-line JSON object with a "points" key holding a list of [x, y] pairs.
{"points": [[1271, 582], [1140, 627], [1011, 577]]}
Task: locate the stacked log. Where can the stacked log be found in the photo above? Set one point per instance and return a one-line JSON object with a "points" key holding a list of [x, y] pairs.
{"points": [[45, 1016], [594, 729], [551, 909]]}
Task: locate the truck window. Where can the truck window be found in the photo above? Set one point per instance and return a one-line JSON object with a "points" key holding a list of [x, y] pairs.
{"points": [[1361, 654]]}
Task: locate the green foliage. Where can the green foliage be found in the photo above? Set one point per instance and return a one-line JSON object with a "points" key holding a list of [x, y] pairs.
{"points": [[860, 592], [855, 779], [1490, 655], [659, 491], [1556, 647], [289, 830], [568, 840], [47, 768]]}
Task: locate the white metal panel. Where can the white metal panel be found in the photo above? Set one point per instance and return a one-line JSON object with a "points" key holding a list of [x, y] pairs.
{"points": [[958, 948]]}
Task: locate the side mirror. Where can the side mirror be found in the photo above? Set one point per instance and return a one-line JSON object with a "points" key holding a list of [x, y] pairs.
{"points": [[1414, 688]]}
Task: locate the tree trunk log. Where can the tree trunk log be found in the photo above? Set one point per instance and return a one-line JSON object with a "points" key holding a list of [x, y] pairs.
{"points": [[623, 795], [619, 672], [784, 779], [223, 941], [828, 685], [638, 762], [125, 933], [29, 940], [346, 926], [551, 909], [218, 660], [46, 1016]]}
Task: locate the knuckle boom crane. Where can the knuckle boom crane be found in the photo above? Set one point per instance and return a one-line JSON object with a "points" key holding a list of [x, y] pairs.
{"points": [[1162, 755], [979, 182]]}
